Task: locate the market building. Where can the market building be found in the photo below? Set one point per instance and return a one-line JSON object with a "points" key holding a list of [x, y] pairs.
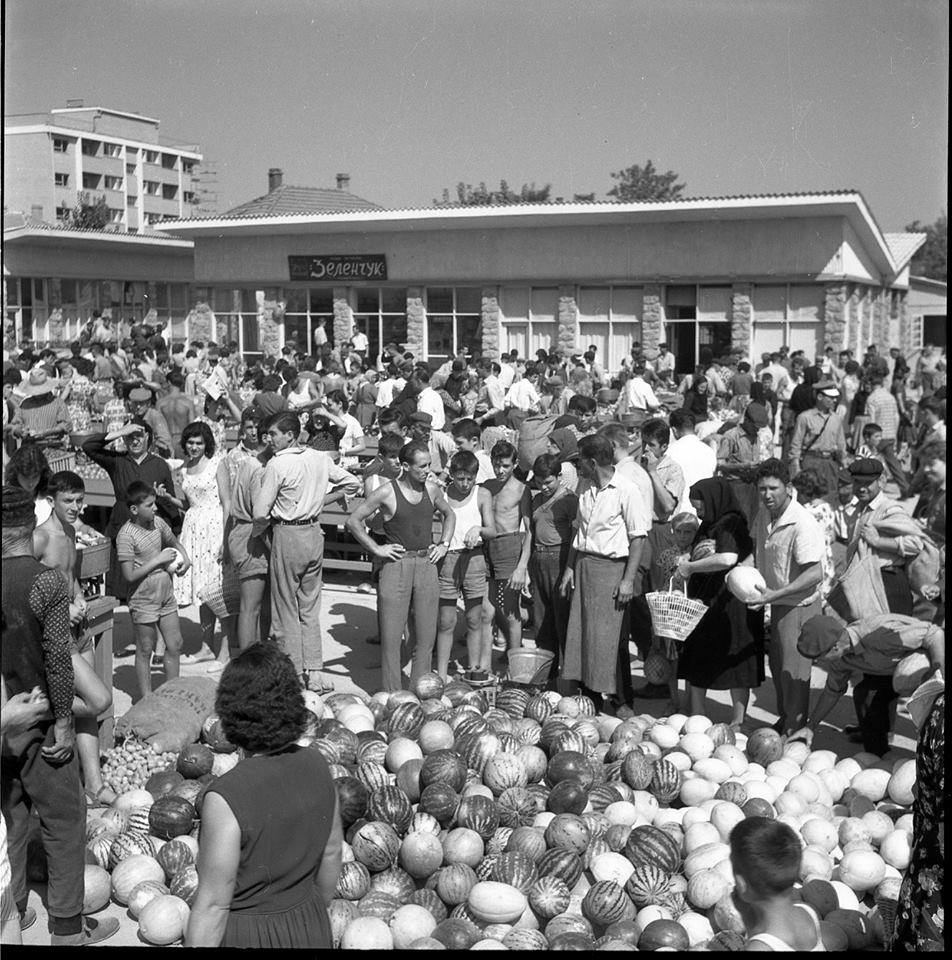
{"points": [[745, 273]]}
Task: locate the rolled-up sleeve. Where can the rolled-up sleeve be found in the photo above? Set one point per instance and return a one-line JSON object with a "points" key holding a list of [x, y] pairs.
{"points": [[49, 602], [636, 515], [338, 477], [267, 494]]}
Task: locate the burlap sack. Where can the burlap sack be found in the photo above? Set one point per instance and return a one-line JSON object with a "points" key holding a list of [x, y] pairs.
{"points": [[171, 717]]}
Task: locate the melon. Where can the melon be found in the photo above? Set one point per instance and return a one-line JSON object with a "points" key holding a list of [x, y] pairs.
{"points": [[421, 854], [367, 933], [172, 816], [143, 893], [97, 888], [131, 799], [494, 902], [664, 933], [764, 746], [399, 751], [611, 866], [871, 783], [195, 761], [163, 920], [861, 870], [410, 923], [900, 785], [706, 888], [746, 583], [910, 672], [132, 870]]}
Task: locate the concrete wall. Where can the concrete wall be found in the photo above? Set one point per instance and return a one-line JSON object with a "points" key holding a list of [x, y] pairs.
{"points": [[22, 258], [716, 250], [28, 173]]}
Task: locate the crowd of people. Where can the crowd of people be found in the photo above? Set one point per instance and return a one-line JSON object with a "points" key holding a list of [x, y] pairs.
{"points": [[550, 495]]}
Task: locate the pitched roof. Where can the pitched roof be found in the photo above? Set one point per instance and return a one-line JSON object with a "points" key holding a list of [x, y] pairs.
{"points": [[288, 199], [16, 220], [904, 245]]}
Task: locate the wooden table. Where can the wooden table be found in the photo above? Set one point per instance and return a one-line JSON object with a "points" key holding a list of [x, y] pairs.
{"points": [[99, 626]]}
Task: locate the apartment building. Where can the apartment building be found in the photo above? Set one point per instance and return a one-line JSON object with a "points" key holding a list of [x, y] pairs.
{"points": [[52, 158]]}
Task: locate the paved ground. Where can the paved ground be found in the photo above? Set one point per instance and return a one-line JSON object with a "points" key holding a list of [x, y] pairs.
{"points": [[348, 618]]}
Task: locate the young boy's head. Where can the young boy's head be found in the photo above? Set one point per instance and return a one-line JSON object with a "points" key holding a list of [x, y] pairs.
{"points": [[466, 434], [389, 446], [765, 857], [463, 469], [391, 421], [546, 472], [140, 499], [655, 436], [66, 492], [872, 435], [684, 527], [503, 458]]}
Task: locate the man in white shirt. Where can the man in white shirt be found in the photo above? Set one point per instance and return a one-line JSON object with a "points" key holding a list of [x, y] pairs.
{"points": [[320, 336], [698, 460], [360, 342], [637, 394], [507, 371], [664, 361], [352, 441], [390, 384], [492, 394], [523, 395], [429, 401]]}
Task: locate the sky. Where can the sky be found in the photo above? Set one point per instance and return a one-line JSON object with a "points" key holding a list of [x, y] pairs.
{"points": [[412, 96]]}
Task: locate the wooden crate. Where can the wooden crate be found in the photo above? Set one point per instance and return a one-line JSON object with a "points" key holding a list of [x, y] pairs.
{"points": [[60, 460], [94, 561], [99, 626]]}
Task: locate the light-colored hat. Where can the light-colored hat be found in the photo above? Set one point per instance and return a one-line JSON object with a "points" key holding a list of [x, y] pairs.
{"points": [[38, 383]]}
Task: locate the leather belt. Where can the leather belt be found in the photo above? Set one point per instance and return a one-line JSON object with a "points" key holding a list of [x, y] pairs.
{"points": [[826, 454], [299, 523], [415, 553]]}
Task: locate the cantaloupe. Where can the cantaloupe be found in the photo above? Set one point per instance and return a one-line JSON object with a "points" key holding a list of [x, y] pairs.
{"points": [[695, 791], [717, 770], [494, 902], [409, 923], [815, 863], [705, 888], [820, 833], [871, 783], [896, 849], [861, 870], [901, 783], [367, 933]]}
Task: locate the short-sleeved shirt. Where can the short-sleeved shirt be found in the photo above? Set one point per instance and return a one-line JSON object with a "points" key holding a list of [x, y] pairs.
{"points": [[608, 518], [787, 546], [552, 519], [141, 544]]}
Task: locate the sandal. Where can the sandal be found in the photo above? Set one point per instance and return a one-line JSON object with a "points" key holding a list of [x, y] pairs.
{"points": [[318, 684], [94, 799]]}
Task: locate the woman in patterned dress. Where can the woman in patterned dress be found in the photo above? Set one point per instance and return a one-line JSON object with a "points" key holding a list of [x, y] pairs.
{"points": [[202, 536], [810, 492]]}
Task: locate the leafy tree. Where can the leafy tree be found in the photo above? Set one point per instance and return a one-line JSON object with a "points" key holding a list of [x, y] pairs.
{"points": [[480, 196], [645, 183], [88, 216], [584, 197], [931, 259]]}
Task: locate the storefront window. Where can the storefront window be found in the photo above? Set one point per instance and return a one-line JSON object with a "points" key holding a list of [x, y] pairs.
{"points": [[610, 321], [381, 312], [529, 319], [454, 322]]}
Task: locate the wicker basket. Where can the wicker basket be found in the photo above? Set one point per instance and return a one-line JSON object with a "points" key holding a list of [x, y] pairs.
{"points": [[674, 615], [530, 666], [60, 460], [94, 560]]}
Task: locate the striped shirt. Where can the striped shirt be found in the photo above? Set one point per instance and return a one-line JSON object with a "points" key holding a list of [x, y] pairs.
{"points": [[881, 408], [39, 414], [142, 544]]}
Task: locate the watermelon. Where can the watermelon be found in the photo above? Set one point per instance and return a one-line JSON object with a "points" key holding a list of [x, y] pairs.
{"points": [[353, 882], [528, 841], [391, 805], [484, 869], [376, 845], [163, 782], [664, 933], [185, 884], [606, 903], [352, 798], [479, 814], [175, 856], [371, 751], [524, 939], [602, 795], [650, 845], [513, 701], [394, 881], [454, 882], [406, 721], [764, 746], [128, 844], [456, 933], [637, 769], [505, 770], [571, 940], [342, 913], [567, 923], [648, 884], [567, 796], [516, 807], [194, 761], [171, 817], [378, 904], [430, 901], [570, 765], [132, 871], [538, 708], [445, 767], [421, 854], [429, 686], [475, 749], [665, 781], [190, 790], [560, 863], [440, 800], [515, 869], [568, 831]]}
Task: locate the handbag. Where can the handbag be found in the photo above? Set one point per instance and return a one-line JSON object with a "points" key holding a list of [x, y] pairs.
{"points": [[223, 596], [860, 592]]}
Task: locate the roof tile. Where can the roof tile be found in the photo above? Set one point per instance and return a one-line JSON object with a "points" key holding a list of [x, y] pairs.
{"points": [[288, 199]]}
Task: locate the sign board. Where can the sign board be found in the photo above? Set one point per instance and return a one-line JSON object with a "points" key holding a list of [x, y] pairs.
{"points": [[339, 266]]}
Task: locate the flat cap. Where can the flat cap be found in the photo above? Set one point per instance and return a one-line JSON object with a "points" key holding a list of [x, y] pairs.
{"points": [[818, 635], [140, 395], [827, 388], [866, 467], [420, 416]]}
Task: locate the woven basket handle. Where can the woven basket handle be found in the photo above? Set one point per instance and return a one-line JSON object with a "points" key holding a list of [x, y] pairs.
{"points": [[672, 590]]}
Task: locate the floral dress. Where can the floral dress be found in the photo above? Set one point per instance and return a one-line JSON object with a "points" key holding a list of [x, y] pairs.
{"points": [[79, 403], [920, 918], [202, 533], [822, 512]]}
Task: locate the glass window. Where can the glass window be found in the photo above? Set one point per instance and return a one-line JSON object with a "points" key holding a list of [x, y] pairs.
{"points": [[627, 303], [714, 303], [806, 302], [393, 300], [593, 303], [514, 303], [681, 296], [469, 300], [250, 342], [61, 179], [223, 300], [368, 301], [178, 295], [295, 300], [439, 336], [39, 294], [469, 333], [249, 301], [162, 297], [296, 329], [322, 300], [770, 302], [544, 303], [393, 330], [68, 291], [439, 300], [60, 145]]}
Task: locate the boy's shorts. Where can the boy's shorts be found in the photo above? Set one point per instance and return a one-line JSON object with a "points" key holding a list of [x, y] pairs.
{"points": [[153, 599], [463, 571], [503, 553], [249, 554]]}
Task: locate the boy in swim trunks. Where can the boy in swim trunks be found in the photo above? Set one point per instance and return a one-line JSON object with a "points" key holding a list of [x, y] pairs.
{"points": [[54, 545], [508, 551]]}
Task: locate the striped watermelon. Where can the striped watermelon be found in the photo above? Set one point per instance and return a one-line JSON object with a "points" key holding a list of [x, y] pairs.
{"points": [[443, 766], [570, 765], [513, 701], [601, 795], [371, 751], [471, 723], [372, 775], [529, 841], [651, 846], [570, 740], [478, 813], [567, 796], [549, 896], [508, 743], [463, 912], [338, 771], [594, 849], [430, 901], [620, 749], [484, 869], [440, 800], [665, 781], [526, 730], [395, 881], [568, 832], [475, 749], [425, 823], [521, 939], [588, 731], [606, 903], [503, 771], [378, 904], [517, 870], [637, 769], [516, 807], [406, 721], [184, 885], [568, 923], [98, 850], [127, 844], [353, 882], [139, 819], [551, 730], [597, 824], [560, 863], [499, 721], [376, 845], [327, 749], [648, 884], [498, 842], [616, 836], [352, 796], [538, 708], [390, 805], [454, 882], [174, 856], [534, 760], [586, 706]]}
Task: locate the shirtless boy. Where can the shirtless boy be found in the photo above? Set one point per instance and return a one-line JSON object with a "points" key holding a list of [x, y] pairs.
{"points": [[54, 545], [508, 551]]}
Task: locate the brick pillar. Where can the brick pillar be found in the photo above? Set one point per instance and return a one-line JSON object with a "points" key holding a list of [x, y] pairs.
{"points": [[880, 321], [270, 322], [416, 323], [857, 306], [491, 323], [905, 327], [652, 316], [567, 320], [742, 318], [834, 316], [200, 322], [343, 317]]}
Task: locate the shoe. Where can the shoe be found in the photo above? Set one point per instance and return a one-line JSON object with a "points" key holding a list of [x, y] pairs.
{"points": [[851, 728], [203, 656], [94, 931], [27, 919], [215, 670], [319, 684]]}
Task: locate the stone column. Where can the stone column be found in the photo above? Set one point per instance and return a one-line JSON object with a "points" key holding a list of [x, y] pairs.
{"points": [[742, 318], [416, 323], [880, 321], [200, 322], [567, 322], [834, 316], [491, 323], [652, 316], [343, 317], [270, 322]]}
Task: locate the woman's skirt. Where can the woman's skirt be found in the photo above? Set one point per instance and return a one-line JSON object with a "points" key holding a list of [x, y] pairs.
{"points": [[304, 925], [596, 647]]}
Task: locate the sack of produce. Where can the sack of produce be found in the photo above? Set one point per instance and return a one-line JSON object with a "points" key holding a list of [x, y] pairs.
{"points": [[171, 717]]}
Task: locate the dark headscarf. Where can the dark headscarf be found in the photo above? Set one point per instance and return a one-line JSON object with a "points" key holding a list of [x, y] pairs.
{"points": [[717, 495], [566, 439], [695, 402]]}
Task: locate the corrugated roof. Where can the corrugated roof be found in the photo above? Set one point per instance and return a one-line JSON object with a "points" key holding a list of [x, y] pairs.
{"points": [[903, 246], [288, 199], [261, 208]]}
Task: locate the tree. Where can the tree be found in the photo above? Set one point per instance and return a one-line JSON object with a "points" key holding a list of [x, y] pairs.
{"points": [[931, 259], [645, 183], [480, 196], [89, 216]]}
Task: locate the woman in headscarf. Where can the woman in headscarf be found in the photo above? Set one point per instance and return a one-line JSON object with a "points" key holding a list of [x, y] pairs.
{"points": [[563, 442], [725, 651], [696, 397]]}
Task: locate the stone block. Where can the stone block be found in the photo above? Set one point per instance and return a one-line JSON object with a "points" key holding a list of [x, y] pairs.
{"points": [[652, 316], [343, 323], [835, 312], [742, 316], [567, 322], [491, 323], [416, 323]]}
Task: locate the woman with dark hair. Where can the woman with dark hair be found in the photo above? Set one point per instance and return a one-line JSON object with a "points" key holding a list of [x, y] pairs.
{"points": [[563, 443], [30, 470], [203, 534], [271, 837], [725, 651], [696, 397]]}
